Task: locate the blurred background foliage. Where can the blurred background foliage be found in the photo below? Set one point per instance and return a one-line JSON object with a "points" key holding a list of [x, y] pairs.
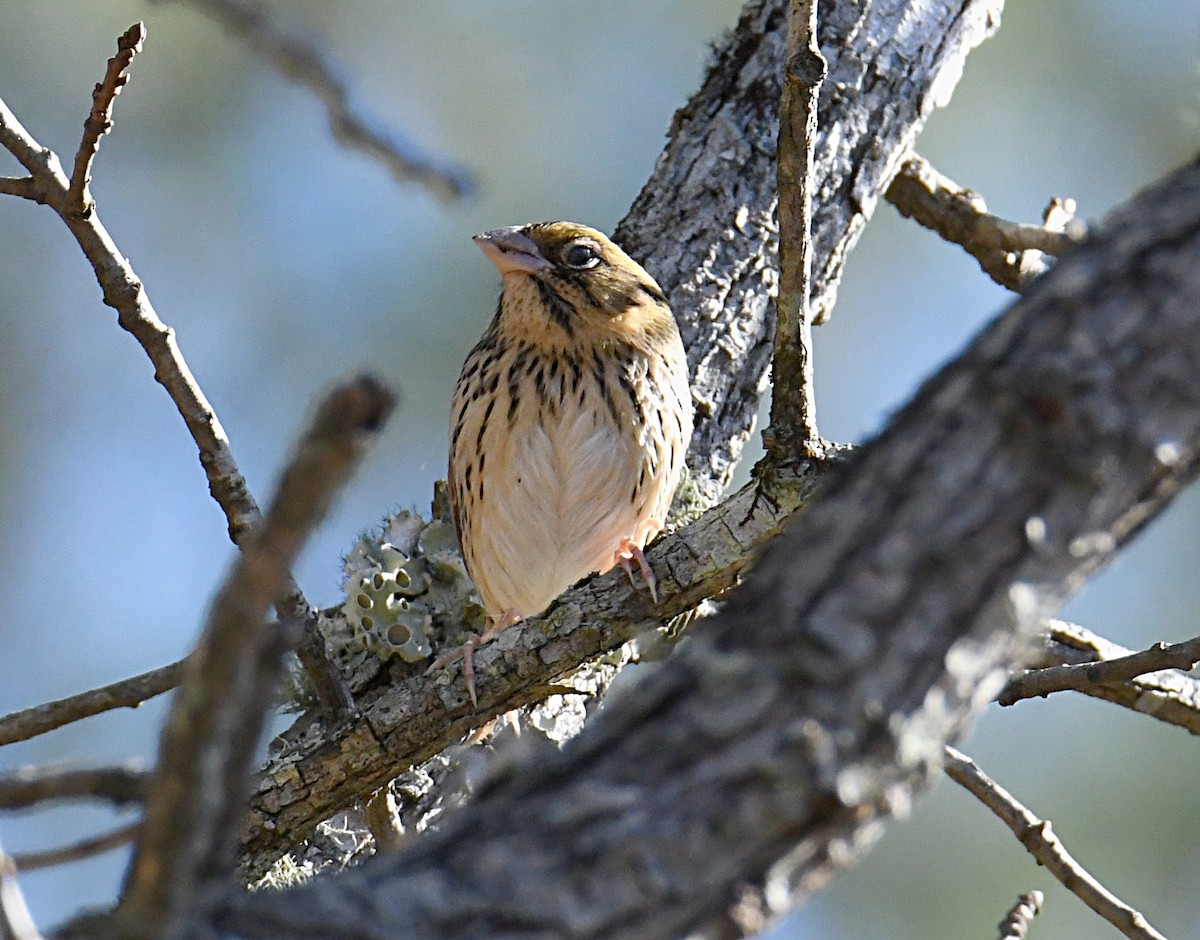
{"points": [[285, 262]]}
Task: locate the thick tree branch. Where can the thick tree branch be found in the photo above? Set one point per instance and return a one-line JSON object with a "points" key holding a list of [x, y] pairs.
{"points": [[216, 721], [771, 747], [318, 769], [127, 693], [304, 61], [1042, 843], [704, 226]]}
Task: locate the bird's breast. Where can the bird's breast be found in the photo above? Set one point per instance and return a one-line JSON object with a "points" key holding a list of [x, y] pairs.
{"points": [[563, 458]]}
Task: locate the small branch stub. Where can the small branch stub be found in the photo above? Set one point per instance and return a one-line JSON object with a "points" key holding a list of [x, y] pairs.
{"points": [[1010, 253], [1015, 925]]}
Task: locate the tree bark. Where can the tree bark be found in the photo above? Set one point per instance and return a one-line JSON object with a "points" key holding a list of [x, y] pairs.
{"points": [[774, 744], [704, 227]]}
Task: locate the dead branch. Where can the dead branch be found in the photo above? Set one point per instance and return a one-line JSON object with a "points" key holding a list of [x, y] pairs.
{"points": [[1083, 676], [1166, 695]]}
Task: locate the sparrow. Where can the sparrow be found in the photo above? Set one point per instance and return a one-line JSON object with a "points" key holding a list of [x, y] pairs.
{"points": [[569, 421]]}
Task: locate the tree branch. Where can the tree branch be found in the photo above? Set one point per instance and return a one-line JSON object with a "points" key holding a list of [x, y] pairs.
{"points": [[16, 923], [23, 186], [30, 786], [793, 408], [78, 200], [77, 851], [403, 722], [216, 721], [919, 192], [303, 60], [128, 693], [1167, 695], [770, 748], [1082, 677], [1041, 842], [703, 226], [126, 294], [1015, 925]]}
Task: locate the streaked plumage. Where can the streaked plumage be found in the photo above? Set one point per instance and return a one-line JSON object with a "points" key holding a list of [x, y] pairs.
{"points": [[569, 420]]}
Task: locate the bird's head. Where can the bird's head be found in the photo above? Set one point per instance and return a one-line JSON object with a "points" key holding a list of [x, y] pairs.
{"points": [[568, 279]]}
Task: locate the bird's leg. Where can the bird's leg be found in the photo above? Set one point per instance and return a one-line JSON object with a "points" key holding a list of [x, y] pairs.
{"points": [[466, 652], [630, 551]]}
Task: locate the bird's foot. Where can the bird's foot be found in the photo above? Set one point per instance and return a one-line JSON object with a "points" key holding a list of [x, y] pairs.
{"points": [[630, 553], [466, 652]]}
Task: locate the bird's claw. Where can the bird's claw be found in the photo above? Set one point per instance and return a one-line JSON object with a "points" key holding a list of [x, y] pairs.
{"points": [[629, 553], [466, 652]]}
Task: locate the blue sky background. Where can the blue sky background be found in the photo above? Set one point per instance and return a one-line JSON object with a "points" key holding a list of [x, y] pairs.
{"points": [[285, 263]]}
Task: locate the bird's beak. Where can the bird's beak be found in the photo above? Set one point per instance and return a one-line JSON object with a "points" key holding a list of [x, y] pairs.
{"points": [[512, 251]]}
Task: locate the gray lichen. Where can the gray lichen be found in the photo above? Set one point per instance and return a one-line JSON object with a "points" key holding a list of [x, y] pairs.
{"points": [[407, 591]]}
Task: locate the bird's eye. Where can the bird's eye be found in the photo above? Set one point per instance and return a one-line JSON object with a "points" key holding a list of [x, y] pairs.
{"points": [[581, 255]]}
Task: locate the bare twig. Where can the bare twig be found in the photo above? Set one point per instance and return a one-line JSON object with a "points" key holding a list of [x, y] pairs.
{"points": [[77, 851], [959, 215], [1082, 677], [99, 119], [33, 785], [302, 59], [793, 415], [128, 693], [1015, 925], [1041, 842], [208, 744], [16, 923], [1167, 695], [123, 291]]}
